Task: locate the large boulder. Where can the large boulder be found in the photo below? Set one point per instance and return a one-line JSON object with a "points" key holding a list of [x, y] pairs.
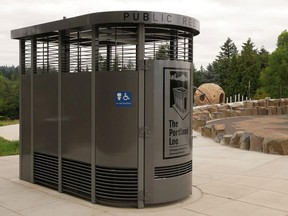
{"points": [[256, 143], [235, 140], [245, 141]]}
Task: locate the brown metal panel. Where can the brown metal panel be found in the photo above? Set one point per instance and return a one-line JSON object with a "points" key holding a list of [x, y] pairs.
{"points": [[76, 116], [156, 157], [116, 127], [25, 139], [46, 113]]}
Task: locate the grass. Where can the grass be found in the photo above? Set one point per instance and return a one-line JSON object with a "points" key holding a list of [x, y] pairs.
{"points": [[8, 147], [8, 122]]}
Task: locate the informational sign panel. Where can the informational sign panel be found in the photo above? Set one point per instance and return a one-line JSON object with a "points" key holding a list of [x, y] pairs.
{"points": [[176, 94]]}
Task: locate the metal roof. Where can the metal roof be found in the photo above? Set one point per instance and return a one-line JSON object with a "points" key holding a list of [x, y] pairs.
{"points": [[115, 17]]}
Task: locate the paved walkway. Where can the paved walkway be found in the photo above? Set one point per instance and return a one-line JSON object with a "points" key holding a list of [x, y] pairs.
{"points": [[10, 132], [226, 182]]}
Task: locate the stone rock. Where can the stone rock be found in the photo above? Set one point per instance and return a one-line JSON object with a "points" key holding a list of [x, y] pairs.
{"points": [[272, 147], [198, 123], [236, 106], [279, 110], [248, 104], [206, 131], [235, 139], [273, 102], [226, 139], [285, 110], [207, 115], [272, 110], [245, 141], [213, 108], [284, 145], [282, 102], [216, 115], [262, 111], [218, 138], [217, 129], [276, 143], [256, 143], [254, 111], [262, 103]]}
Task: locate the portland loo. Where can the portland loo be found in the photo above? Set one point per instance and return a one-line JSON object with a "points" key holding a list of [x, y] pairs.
{"points": [[106, 106]]}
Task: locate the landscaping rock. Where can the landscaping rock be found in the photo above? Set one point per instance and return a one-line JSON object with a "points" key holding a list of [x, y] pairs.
{"points": [[197, 123], [245, 141], [235, 140], [272, 147], [248, 104], [256, 143], [217, 129], [226, 139], [206, 131], [262, 111]]}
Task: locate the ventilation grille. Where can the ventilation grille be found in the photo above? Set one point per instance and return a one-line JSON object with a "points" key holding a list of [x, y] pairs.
{"points": [[116, 185], [46, 170], [47, 53], [163, 43], [26, 52], [173, 171], [76, 178]]}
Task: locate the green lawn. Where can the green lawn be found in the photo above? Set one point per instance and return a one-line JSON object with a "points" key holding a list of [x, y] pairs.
{"points": [[8, 147], [8, 122]]}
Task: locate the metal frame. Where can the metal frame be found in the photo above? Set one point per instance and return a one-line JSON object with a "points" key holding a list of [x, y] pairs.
{"points": [[151, 30]]}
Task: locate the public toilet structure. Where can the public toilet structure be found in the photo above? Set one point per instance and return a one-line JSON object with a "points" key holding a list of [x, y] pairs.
{"points": [[106, 106]]}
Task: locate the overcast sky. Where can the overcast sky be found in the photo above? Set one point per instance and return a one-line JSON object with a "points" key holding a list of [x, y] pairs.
{"points": [[260, 20]]}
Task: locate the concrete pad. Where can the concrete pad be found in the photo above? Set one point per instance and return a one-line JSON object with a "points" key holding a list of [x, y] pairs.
{"points": [[232, 208], [61, 208], [226, 190], [227, 181], [207, 202], [269, 199]]}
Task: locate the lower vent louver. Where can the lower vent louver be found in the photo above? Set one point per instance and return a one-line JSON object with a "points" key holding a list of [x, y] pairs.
{"points": [[46, 170], [114, 185], [76, 178], [173, 171]]}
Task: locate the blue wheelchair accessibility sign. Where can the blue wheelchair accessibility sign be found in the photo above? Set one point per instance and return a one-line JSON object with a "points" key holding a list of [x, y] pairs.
{"points": [[123, 99]]}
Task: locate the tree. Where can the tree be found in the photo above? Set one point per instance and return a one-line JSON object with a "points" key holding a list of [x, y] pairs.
{"points": [[249, 69], [9, 98], [274, 77], [225, 67], [162, 52]]}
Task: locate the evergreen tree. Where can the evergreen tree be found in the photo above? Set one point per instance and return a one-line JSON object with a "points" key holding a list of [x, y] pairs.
{"points": [[249, 69], [225, 67], [274, 78]]}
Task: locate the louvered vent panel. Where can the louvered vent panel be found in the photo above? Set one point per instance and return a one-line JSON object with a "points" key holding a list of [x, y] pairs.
{"points": [[76, 178], [173, 171], [46, 170], [114, 185]]}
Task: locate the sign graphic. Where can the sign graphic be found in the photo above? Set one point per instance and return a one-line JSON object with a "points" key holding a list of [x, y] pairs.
{"points": [[176, 112], [123, 99]]}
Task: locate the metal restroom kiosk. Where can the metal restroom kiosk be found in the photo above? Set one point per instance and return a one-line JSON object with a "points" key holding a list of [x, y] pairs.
{"points": [[106, 106]]}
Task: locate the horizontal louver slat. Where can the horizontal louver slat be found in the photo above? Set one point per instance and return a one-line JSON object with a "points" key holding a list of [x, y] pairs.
{"points": [[46, 170], [116, 185], [173, 171]]}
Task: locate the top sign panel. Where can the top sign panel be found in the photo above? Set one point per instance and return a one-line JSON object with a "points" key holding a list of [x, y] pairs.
{"points": [[115, 17], [148, 17]]}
